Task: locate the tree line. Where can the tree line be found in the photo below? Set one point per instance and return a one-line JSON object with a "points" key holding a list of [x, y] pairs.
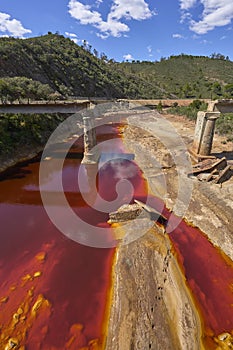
{"points": [[22, 88]]}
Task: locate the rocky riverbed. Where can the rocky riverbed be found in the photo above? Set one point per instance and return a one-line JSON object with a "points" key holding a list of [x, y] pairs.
{"points": [[152, 307]]}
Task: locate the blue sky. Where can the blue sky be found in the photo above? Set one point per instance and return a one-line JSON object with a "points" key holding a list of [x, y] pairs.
{"points": [[127, 29]]}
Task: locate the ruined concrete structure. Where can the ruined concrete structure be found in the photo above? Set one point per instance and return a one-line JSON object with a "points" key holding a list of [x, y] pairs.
{"points": [[205, 126], [90, 153], [204, 133]]}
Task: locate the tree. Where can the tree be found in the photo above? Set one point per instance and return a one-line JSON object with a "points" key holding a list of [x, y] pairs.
{"points": [[216, 88], [217, 56], [103, 57], [4, 91], [95, 52], [229, 90]]}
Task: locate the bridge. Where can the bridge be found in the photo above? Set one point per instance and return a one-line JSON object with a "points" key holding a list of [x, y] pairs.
{"points": [[204, 130], [70, 107], [65, 107], [43, 107]]}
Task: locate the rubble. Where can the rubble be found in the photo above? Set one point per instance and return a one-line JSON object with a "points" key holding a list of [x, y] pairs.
{"points": [[125, 212], [212, 170], [131, 211]]}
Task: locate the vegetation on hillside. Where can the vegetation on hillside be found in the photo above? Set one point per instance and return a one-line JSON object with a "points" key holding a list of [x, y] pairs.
{"points": [[18, 130], [68, 69], [20, 88], [186, 76], [224, 126], [51, 66], [189, 111]]}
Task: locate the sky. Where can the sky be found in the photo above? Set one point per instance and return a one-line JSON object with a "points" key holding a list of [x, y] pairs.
{"points": [[127, 29]]}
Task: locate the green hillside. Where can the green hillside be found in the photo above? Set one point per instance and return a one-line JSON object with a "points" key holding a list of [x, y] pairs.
{"points": [[187, 76], [51, 67], [68, 69]]}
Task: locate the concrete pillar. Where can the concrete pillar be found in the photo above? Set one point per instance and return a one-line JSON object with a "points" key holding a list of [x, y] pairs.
{"points": [[90, 155], [208, 134], [204, 133], [89, 180], [200, 125]]}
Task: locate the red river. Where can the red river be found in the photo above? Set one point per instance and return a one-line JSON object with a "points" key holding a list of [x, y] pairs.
{"points": [[54, 292]]}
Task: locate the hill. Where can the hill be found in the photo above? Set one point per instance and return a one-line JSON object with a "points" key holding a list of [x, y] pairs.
{"points": [[51, 66], [68, 69], [187, 76]]}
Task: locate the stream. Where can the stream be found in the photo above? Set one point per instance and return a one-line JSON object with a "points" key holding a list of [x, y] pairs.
{"points": [[55, 293]]}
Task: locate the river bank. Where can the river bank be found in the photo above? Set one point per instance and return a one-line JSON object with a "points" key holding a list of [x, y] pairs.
{"points": [[153, 308], [21, 155], [23, 137]]}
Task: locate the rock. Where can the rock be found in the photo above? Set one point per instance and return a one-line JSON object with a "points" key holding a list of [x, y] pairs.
{"points": [[37, 274], [4, 299], [40, 302], [224, 341], [41, 256], [125, 212], [224, 336], [13, 343], [167, 161], [203, 176]]}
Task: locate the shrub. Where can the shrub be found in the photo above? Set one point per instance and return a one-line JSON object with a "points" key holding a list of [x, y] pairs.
{"points": [[20, 130], [189, 111], [224, 126]]}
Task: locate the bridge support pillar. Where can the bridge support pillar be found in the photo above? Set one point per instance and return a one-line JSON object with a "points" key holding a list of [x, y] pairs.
{"points": [[90, 153], [204, 134]]}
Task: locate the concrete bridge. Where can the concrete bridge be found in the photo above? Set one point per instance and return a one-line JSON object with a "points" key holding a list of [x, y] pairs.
{"points": [[71, 107], [204, 131], [65, 107], [39, 108]]}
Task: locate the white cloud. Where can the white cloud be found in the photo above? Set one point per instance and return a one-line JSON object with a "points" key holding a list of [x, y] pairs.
{"points": [[128, 57], [177, 36], [83, 13], [187, 4], [12, 26], [112, 27], [185, 17], [71, 35], [133, 9], [98, 3], [205, 42], [223, 37], [216, 13], [75, 40], [149, 49]]}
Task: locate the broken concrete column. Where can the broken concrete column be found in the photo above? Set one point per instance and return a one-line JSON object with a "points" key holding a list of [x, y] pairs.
{"points": [[204, 132], [200, 124], [89, 131], [208, 133], [88, 182]]}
